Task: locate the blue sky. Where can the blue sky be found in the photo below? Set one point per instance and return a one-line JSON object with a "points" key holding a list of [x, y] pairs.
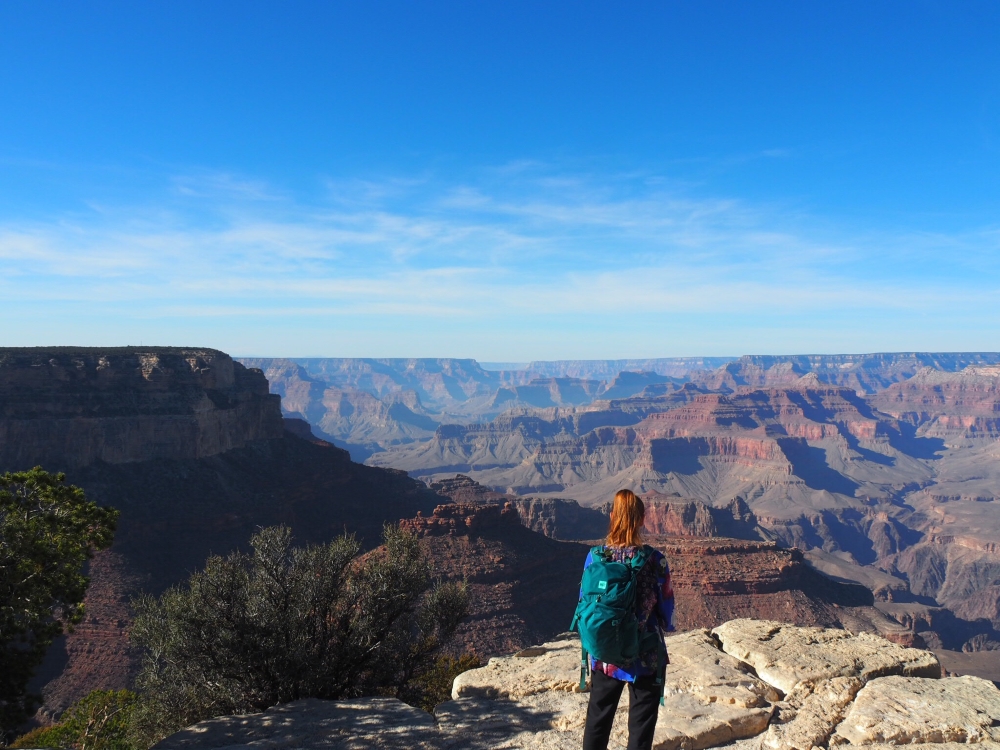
{"points": [[501, 180]]}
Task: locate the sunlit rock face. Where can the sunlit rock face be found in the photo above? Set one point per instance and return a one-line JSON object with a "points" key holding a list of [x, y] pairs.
{"points": [[70, 407], [955, 406]]}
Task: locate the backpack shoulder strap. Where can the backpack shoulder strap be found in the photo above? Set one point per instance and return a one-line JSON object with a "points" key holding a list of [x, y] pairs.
{"points": [[597, 553], [640, 557]]}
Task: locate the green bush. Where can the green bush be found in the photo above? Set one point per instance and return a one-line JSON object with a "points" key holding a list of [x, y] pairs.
{"points": [[48, 530], [433, 686], [285, 623], [43, 737], [99, 721]]}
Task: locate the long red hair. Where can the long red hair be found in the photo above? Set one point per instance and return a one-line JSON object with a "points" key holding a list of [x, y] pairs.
{"points": [[627, 516]]}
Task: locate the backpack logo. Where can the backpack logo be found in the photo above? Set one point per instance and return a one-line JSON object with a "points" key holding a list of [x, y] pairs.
{"points": [[602, 585]]}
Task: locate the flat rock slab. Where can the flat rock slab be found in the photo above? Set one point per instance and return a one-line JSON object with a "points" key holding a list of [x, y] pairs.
{"points": [[903, 711], [383, 723], [710, 698], [811, 713], [785, 655], [551, 666]]}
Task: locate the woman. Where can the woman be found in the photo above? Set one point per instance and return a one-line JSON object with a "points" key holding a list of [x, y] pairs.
{"points": [[654, 608]]}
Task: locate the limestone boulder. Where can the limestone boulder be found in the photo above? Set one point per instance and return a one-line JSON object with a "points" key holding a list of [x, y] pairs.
{"points": [[784, 655], [810, 714], [903, 711], [553, 666]]}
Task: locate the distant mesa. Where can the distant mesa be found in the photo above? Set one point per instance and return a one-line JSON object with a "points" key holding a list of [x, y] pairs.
{"points": [[865, 373], [949, 405]]}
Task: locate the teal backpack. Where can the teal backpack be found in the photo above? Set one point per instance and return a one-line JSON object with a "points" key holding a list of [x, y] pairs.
{"points": [[605, 615]]}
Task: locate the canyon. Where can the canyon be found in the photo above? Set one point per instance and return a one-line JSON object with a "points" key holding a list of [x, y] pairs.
{"points": [[805, 499], [883, 469]]}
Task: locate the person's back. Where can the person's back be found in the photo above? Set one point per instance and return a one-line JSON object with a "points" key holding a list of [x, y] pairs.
{"points": [[624, 569]]}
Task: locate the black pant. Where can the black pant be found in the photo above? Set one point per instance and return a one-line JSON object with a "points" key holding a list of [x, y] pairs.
{"points": [[644, 702]]}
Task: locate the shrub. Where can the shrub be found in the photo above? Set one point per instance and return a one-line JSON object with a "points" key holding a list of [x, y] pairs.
{"points": [[433, 686], [285, 623], [99, 721], [42, 737]]}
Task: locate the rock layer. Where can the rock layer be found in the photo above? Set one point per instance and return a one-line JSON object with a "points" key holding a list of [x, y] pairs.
{"points": [[65, 407]]}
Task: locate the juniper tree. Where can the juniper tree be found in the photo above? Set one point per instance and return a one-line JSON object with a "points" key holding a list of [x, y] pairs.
{"points": [[48, 530]]}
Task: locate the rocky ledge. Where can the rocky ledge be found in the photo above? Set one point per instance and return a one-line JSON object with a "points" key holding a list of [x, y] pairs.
{"points": [[751, 684]]}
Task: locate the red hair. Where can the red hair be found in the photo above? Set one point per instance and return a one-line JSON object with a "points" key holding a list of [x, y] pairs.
{"points": [[627, 516]]}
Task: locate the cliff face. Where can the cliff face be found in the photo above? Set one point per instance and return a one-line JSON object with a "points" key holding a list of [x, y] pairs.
{"points": [[70, 407], [948, 405], [523, 586], [177, 512]]}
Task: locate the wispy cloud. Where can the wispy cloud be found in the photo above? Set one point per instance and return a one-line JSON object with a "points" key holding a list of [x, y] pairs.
{"points": [[522, 241]]}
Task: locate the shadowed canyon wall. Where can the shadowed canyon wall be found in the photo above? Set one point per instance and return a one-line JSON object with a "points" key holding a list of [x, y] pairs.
{"points": [[69, 407]]}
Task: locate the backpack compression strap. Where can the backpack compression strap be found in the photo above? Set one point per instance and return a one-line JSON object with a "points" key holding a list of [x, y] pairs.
{"points": [[584, 661]]}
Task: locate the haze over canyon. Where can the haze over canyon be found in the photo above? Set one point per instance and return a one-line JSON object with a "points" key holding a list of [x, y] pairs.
{"points": [[855, 491], [883, 468]]}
